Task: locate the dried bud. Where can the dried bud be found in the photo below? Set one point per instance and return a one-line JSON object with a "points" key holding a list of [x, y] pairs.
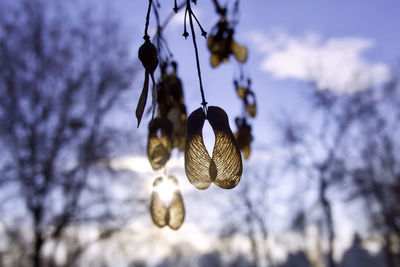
{"points": [[148, 56]]}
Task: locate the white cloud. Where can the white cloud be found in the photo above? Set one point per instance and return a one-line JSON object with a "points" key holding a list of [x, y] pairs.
{"points": [[336, 64]]}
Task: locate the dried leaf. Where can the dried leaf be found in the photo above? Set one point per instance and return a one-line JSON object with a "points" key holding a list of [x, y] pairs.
{"points": [[239, 51], [154, 95], [158, 210], [149, 57], [226, 153], [143, 98], [159, 146], [197, 159], [176, 209]]}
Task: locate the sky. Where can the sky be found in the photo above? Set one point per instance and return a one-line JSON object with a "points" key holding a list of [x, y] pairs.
{"points": [[344, 46]]}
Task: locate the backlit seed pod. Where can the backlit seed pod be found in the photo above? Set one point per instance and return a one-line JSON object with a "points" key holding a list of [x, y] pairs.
{"points": [[176, 208], [219, 48], [158, 210], [224, 168], [226, 153], [197, 160], [221, 45], [239, 51], [159, 144], [177, 115], [243, 136], [170, 90], [240, 90], [250, 101], [170, 212]]}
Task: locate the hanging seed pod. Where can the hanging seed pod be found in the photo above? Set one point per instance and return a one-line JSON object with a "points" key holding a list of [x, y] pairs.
{"points": [[221, 44], [250, 101], [159, 144], [243, 136], [162, 214], [158, 210], [176, 208], [239, 51], [149, 58], [177, 115], [224, 168], [197, 160], [226, 153], [240, 90], [170, 105], [219, 48]]}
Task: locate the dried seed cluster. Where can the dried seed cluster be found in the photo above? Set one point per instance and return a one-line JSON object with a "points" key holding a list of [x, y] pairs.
{"points": [[169, 126]]}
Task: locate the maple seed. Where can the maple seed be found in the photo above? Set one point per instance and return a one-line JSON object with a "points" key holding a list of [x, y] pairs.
{"points": [[224, 168]]}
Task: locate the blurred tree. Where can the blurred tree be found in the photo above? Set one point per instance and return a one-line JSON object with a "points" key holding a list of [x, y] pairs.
{"points": [[319, 147], [63, 75], [249, 216], [376, 169]]}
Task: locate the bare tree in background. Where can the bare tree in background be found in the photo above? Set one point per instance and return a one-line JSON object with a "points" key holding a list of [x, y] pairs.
{"points": [[376, 168], [62, 77], [249, 216], [318, 147]]}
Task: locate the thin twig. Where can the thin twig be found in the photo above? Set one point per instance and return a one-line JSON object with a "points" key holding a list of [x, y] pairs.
{"points": [[189, 10], [218, 8], [146, 36], [171, 15]]}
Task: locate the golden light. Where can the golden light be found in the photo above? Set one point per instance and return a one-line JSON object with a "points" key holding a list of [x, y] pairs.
{"points": [[165, 189]]}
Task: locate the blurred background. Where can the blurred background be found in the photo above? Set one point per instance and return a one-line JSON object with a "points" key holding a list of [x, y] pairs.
{"points": [[321, 186]]}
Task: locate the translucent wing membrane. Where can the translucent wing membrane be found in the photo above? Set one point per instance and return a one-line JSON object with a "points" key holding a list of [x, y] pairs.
{"points": [[250, 102], [225, 166], [226, 153], [176, 208], [197, 160], [239, 51], [158, 209], [159, 144], [243, 136], [173, 214]]}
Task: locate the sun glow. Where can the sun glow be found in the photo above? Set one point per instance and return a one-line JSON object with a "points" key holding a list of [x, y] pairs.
{"points": [[166, 189]]}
